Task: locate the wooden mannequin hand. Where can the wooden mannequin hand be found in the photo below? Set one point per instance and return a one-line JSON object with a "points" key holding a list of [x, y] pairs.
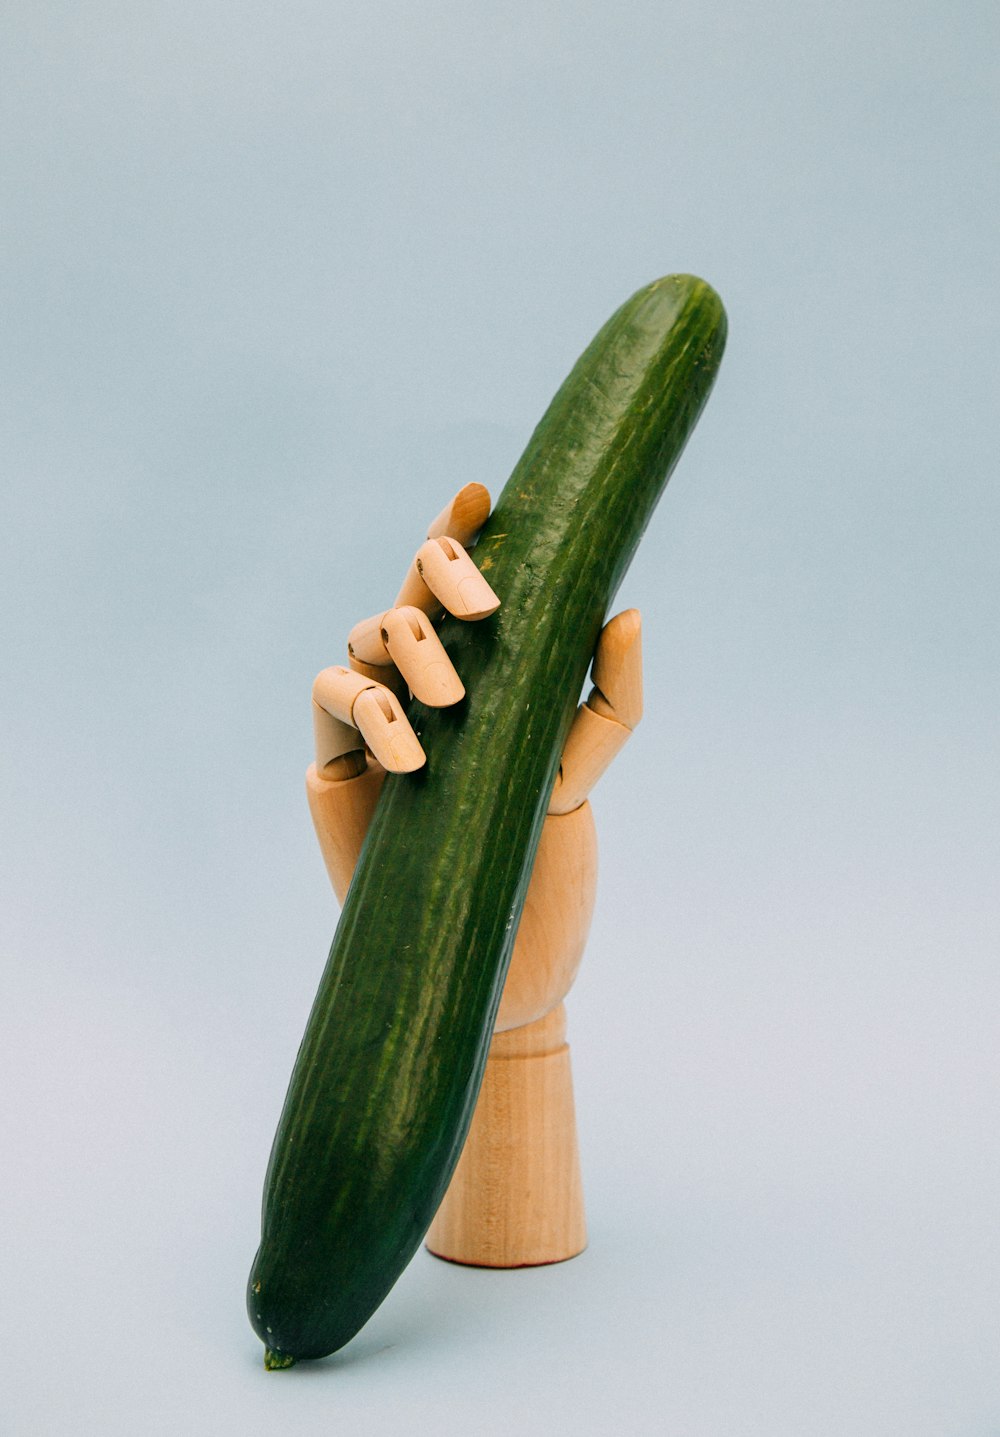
{"points": [[362, 731]]}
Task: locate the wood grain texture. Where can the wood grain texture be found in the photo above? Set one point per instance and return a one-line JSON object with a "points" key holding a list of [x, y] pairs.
{"points": [[341, 812], [516, 1197]]}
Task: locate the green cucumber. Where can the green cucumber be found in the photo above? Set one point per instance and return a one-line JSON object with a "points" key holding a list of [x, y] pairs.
{"points": [[389, 1068]]}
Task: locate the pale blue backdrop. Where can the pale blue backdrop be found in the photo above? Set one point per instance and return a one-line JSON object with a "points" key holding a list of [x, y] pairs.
{"points": [[276, 280]]}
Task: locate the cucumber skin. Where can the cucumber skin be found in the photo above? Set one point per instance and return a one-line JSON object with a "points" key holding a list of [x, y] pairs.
{"points": [[389, 1068]]}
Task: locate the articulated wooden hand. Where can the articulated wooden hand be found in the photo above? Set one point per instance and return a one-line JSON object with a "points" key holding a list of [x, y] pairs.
{"points": [[516, 1198]]}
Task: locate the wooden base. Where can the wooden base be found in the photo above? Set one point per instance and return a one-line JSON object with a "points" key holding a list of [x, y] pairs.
{"points": [[516, 1198]]}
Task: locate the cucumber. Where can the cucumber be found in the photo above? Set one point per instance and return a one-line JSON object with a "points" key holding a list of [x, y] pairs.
{"points": [[389, 1068]]}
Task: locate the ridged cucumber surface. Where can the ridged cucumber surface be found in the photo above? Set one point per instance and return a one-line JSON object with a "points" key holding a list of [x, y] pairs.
{"points": [[389, 1068]]}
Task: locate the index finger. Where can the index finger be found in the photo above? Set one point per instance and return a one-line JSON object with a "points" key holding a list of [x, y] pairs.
{"points": [[463, 516]]}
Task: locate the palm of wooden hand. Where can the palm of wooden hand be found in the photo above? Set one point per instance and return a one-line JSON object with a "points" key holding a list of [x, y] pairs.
{"points": [[515, 1199]]}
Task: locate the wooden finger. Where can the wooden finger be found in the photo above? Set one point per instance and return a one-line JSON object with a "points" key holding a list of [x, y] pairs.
{"points": [[340, 749], [617, 670], [366, 645], [463, 516], [592, 743], [419, 655], [337, 689], [350, 711], [387, 731], [443, 575], [386, 674]]}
